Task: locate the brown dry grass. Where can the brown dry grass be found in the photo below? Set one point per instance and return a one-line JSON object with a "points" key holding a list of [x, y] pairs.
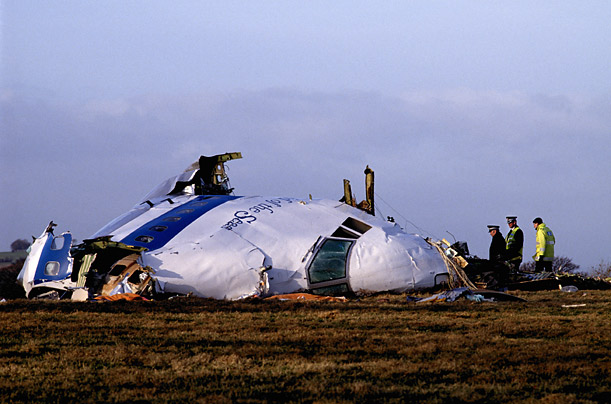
{"points": [[379, 349]]}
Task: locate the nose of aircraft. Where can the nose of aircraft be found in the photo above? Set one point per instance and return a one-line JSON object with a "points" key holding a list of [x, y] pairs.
{"points": [[396, 262]]}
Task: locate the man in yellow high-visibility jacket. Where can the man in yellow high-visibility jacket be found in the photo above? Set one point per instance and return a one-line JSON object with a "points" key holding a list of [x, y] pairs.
{"points": [[544, 255]]}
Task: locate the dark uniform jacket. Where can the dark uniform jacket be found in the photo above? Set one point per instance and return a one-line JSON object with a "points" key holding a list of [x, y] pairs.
{"points": [[497, 248]]}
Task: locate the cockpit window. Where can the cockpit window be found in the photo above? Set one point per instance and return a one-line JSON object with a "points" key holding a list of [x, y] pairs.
{"points": [[351, 228], [330, 261], [356, 225], [343, 233]]}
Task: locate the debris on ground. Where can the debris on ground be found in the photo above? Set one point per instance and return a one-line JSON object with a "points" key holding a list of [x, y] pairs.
{"points": [[119, 296], [474, 295], [306, 296]]}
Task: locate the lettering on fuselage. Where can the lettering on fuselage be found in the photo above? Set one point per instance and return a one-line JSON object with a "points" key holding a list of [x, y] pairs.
{"points": [[251, 214]]}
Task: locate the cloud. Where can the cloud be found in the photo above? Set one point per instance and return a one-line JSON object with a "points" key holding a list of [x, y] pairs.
{"points": [[510, 116], [452, 160]]}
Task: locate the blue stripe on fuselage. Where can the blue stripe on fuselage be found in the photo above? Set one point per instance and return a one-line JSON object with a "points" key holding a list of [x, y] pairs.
{"points": [[159, 231]]}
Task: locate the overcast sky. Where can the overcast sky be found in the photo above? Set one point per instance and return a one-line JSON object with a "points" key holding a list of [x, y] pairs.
{"points": [[467, 111]]}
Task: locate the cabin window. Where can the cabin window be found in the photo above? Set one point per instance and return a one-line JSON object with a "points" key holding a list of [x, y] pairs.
{"points": [[158, 228], [144, 239], [58, 243], [171, 219], [52, 268], [185, 211], [330, 261]]}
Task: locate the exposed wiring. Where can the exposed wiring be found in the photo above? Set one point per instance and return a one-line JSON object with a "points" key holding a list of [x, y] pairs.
{"points": [[403, 217], [457, 275]]}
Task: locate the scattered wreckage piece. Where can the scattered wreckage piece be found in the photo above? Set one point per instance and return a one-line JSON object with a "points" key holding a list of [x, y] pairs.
{"points": [[487, 274], [532, 285], [120, 296], [100, 267], [306, 296], [48, 265], [454, 262], [474, 295], [584, 282], [529, 281]]}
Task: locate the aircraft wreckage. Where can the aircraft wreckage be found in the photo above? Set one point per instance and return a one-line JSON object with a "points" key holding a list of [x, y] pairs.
{"points": [[191, 235]]}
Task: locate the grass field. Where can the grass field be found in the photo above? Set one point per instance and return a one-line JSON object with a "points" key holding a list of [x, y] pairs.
{"points": [[376, 349]]}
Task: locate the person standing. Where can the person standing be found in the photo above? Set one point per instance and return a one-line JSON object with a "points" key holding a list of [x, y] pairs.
{"points": [[514, 242], [544, 254], [497, 245]]}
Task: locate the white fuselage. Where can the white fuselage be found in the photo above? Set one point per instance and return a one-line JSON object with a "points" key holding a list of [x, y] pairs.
{"points": [[229, 247]]}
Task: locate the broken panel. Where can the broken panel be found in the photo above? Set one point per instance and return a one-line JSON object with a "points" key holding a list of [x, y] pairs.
{"points": [[107, 267]]}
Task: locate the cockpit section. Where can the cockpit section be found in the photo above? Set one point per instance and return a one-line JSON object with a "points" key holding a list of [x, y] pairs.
{"points": [[328, 269]]}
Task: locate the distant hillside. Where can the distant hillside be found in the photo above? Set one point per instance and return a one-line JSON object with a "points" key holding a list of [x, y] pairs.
{"points": [[9, 258]]}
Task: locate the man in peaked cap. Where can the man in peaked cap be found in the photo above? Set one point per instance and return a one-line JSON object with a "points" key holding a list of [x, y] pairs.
{"points": [[497, 245], [514, 244]]}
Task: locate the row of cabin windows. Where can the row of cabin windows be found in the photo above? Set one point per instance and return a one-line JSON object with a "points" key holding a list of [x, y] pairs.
{"points": [[160, 228]]}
